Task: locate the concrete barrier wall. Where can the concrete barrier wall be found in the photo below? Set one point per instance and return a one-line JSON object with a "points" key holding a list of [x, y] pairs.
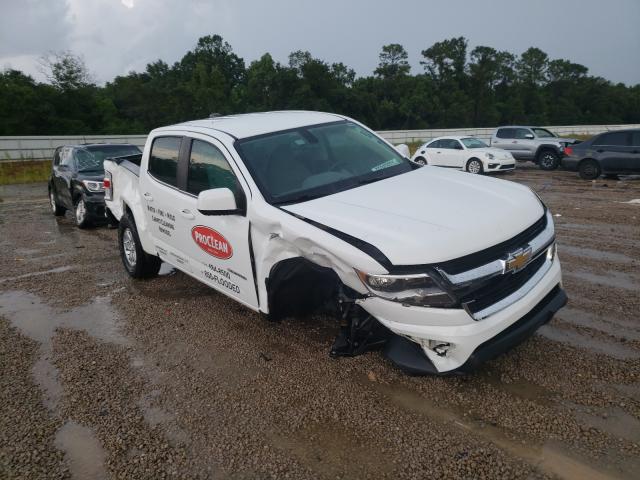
{"points": [[408, 136], [42, 147]]}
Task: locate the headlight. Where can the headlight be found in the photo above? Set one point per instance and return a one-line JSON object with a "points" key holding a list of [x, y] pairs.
{"points": [[93, 186], [490, 156], [419, 290]]}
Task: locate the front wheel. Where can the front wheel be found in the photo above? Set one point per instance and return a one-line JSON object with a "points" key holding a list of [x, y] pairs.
{"points": [[420, 161], [82, 214], [136, 261], [548, 160], [589, 170], [56, 209], [474, 166]]}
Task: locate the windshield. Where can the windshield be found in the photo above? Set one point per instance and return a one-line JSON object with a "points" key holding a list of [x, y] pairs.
{"points": [[543, 133], [473, 143], [92, 157], [297, 165]]}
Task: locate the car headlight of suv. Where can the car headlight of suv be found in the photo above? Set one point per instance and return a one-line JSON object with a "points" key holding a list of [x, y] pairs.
{"points": [[417, 290], [490, 156], [93, 186]]}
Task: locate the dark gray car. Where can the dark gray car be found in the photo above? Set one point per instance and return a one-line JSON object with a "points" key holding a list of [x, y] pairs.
{"points": [[75, 183], [609, 154]]}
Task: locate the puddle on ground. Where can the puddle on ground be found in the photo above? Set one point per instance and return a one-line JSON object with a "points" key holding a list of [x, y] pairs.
{"points": [[520, 388], [614, 421], [82, 450], [586, 342], [38, 321], [615, 327], [594, 254], [36, 274], [612, 279], [549, 458]]}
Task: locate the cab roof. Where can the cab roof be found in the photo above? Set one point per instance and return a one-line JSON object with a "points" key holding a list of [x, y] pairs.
{"points": [[252, 124]]}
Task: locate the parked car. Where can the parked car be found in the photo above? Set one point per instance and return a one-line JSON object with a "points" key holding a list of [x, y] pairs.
{"points": [[464, 153], [611, 153], [291, 212], [76, 178], [535, 144]]}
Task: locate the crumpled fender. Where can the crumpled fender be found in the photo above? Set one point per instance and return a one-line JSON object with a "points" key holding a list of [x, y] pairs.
{"points": [[277, 235]]}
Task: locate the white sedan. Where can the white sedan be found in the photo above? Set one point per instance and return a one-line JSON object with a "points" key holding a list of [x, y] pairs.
{"points": [[465, 153]]}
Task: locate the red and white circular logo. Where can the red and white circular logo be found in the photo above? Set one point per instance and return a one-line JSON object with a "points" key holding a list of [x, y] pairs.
{"points": [[212, 242]]}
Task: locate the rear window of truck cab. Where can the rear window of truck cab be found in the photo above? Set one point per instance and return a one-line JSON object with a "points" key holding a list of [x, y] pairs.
{"points": [[163, 161]]}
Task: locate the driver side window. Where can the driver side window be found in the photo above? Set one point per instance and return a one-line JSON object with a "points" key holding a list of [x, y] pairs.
{"points": [[521, 133], [208, 168]]}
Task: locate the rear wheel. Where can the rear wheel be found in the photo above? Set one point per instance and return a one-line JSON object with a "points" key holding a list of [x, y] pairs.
{"points": [[474, 166], [57, 210], [548, 160], [136, 261], [589, 169], [421, 161]]}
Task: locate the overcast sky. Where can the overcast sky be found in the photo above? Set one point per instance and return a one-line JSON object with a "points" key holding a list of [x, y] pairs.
{"points": [[117, 36]]}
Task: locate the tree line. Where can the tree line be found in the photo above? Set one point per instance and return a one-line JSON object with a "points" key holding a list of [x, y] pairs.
{"points": [[457, 87]]}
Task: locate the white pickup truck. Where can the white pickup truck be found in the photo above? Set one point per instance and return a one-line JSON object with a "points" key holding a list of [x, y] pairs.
{"points": [[292, 212]]}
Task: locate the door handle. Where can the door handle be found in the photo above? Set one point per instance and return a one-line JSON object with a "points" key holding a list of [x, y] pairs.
{"points": [[148, 197], [515, 141], [187, 214], [599, 151], [438, 152]]}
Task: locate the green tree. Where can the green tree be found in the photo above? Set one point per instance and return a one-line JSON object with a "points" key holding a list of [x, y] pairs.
{"points": [[393, 62]]}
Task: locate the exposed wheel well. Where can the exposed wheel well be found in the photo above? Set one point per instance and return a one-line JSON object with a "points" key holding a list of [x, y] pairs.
{"points": [[297, 286], [588, 159]]}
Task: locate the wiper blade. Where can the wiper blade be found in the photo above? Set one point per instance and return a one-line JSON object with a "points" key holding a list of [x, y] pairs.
{"points": [[301, 198]]}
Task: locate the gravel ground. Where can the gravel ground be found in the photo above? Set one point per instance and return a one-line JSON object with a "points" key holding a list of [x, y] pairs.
{"points": [[107, 377]]}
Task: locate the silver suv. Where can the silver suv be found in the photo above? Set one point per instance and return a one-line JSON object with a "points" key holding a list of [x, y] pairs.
{"points": [[536, 144]]}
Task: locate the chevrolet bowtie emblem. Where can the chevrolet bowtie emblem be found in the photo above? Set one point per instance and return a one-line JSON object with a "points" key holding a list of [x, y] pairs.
{"points": [[517, 260]]}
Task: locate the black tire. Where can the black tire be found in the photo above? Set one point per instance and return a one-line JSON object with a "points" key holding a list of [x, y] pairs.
{"points": [[140, 264], [589, 169], [56, 209], [548, 160], [421, 161], [474, 165]]}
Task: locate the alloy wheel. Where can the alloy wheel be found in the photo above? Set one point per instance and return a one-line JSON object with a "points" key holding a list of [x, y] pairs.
{"points": [[129, 245]]}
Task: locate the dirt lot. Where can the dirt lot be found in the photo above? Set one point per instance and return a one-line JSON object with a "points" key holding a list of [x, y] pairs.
{"points": [[106, 377]]}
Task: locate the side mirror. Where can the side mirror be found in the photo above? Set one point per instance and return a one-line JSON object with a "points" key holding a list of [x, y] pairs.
{"points": [[529, 136], [218, 201], [403, 150]]}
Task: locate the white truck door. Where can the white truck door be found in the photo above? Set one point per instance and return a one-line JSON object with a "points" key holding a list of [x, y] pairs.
{"points": [[217, 246], [161, 196]]}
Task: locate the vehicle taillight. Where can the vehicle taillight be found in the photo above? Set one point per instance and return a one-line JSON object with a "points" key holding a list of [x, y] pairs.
{"points": [[107, 185], [568, 151]]}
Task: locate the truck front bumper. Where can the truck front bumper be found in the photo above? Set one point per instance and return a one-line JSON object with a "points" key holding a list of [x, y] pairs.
{"points": [[444, 341]]}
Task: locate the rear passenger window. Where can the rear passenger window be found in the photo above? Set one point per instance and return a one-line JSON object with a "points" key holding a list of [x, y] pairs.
{"points": [[635, 139], [616, 139], [163, 162], [208, 169], [506, 133]]}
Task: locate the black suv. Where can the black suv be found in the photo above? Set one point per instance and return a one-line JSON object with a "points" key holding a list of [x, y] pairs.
{"points": [[76, 180], [611, 153]]}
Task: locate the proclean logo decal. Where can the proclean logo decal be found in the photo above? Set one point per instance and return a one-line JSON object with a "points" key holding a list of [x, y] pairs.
{"points": [[212, 242]]}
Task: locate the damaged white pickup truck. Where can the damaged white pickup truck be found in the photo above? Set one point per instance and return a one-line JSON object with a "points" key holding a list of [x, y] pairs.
{"points": [[294, 212]]}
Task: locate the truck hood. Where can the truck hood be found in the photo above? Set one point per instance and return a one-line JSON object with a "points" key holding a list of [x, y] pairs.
{"points": [[428, 215]]}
